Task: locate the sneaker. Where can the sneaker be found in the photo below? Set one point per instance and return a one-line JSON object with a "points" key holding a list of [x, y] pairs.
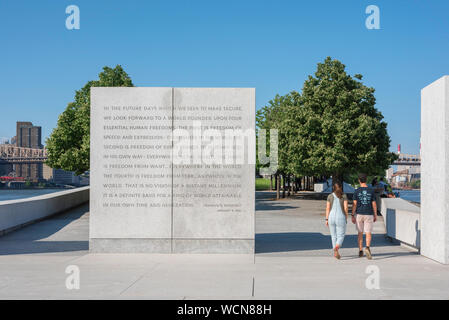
{"points": [[360, 253], [368, 253]]}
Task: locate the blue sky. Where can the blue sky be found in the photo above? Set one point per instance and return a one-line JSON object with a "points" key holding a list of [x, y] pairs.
{"points": [[270, 45]]}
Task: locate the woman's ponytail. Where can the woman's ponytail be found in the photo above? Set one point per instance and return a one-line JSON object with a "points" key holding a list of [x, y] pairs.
{"points": [[337, 189]]}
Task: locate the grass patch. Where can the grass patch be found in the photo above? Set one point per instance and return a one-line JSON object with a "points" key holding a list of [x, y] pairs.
{"points": [[262, 184]]}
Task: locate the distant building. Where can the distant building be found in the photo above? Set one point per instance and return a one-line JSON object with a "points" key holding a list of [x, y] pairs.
{"points": [[28, 136], [59, 176], [47, 172], [63, 177], [406, 170], [402, 178], [389, 173]]}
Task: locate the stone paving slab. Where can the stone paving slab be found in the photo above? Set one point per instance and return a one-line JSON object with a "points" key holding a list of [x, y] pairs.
{"points": [[293, 261]]}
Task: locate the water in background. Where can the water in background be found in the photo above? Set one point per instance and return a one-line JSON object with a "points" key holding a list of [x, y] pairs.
{"points": [[410, 195], [13, 194]]}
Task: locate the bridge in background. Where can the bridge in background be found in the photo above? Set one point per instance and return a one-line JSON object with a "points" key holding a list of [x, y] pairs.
{"points": [[408, 160], [11, 154]]}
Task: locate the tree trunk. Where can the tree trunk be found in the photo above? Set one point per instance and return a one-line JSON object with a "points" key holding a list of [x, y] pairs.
{"points": [[337, 177], [283, 185], [294, 187], [271, 182], [297, 184], [278, 186]]}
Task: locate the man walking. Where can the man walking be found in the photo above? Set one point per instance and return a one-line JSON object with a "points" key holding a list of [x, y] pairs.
{"points": [[364, 214]]}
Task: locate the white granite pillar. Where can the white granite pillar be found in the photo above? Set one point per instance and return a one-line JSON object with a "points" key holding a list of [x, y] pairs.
{"points": [[435, 170]]}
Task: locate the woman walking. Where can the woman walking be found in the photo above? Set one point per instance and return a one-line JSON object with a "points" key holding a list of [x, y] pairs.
{"points": [[337, 216]]}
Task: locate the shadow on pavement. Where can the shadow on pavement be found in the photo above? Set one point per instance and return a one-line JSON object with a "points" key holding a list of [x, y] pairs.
{"points": [[33, 238], [304, 241], [272, 206]]}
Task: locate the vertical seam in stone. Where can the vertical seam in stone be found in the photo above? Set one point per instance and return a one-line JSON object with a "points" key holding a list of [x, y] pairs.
{"points": [[172, 128], [252, 291]]}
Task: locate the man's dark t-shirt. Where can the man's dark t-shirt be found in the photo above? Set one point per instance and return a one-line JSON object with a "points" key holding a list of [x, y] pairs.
{"points": [[365, 197]]}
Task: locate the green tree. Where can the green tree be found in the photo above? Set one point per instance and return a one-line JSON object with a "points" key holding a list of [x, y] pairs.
{"points": [[275, 116], [69, 144], [270, 117], [336, 129], [416, 184]]}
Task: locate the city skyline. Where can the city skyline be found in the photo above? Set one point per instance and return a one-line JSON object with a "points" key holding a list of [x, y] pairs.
{"points": [[268, 46]]}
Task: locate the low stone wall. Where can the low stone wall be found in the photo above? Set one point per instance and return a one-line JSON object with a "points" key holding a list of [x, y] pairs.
{"points": [[402, 221], [15, 214]]}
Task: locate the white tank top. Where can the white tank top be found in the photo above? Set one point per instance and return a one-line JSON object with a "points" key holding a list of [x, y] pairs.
{"points": [[336, 207]]}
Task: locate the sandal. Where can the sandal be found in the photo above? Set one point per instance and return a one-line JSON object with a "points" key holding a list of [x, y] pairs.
{"points": [[337, 254]]}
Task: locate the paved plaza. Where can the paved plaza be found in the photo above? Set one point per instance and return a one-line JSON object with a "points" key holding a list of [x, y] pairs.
{"points": [[293, 261]]}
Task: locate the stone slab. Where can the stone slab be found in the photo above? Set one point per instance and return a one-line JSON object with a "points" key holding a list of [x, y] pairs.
{"points": [[221, 202], [125, 172], [435, 170], [402, 221], [287, 275], [224, 246], [16, 214], [143, 198], [140, 245]]}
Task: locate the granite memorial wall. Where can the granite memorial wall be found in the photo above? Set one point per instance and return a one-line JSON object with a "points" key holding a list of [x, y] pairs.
{"points": [[172, 170]]}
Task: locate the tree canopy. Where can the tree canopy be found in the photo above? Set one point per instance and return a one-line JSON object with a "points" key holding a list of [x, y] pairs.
{"points": [[331, 128], [69, 144], [275, 116]]}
